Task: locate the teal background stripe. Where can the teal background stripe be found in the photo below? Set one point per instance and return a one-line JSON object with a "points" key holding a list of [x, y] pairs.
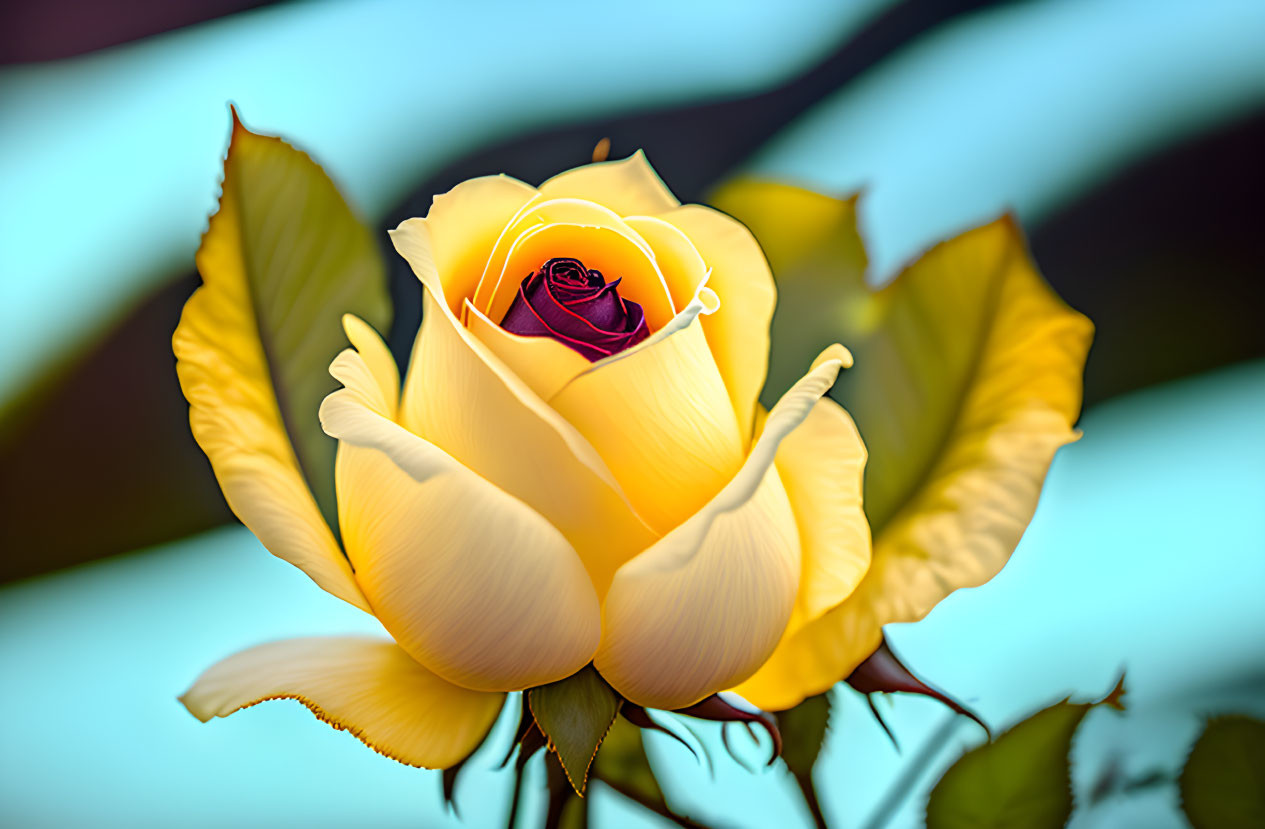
{"points": [[1020, 107], [110, 162]]}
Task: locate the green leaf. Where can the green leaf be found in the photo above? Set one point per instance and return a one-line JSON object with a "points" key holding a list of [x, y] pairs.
{"points": [[804, 729], [575, 714], [803, 733], [622, 764], [565, 811], [1021, 779], [1223, 783], [306, 260]]}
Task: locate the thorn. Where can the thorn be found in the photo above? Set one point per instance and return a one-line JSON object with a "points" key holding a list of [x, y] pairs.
{"points": [[716, 708], [1115, 699], [883, 672], [637, 715]]}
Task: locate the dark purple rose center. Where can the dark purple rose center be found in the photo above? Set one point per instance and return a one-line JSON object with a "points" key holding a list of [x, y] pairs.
{"points": [[578, 308]]}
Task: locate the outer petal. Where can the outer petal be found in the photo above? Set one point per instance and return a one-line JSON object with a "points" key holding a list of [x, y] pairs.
{"points": [[739, 274], [822, 464], [629, 187], [465, 223], [234, 416], [469, 580], [359, 684], [658, 414], [460, 397], [704, 607]]}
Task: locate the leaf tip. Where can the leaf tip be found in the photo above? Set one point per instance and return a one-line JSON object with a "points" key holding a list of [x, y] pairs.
{"points": [[574, 738], [1115, 698], [237, 128]]}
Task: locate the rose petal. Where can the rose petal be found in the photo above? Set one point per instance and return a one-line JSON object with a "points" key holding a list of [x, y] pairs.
{"points": [[682, 266], [596, 322], [384, 376], [703, 608], [454, 568], [465, 223], [359, 684], [739, 274], [629, 186], [613, 251], [822, 464], [459, 396], [660, 417], [544, 364]]}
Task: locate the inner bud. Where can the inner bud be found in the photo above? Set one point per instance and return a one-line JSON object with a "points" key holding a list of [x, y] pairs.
{"points": [[578, 308]]}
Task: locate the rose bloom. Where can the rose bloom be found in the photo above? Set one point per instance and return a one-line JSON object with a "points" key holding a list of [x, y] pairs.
{"points": [[575, 469]]}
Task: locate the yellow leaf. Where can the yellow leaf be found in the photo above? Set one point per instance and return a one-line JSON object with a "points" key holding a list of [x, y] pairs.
{"points": [[968, 378], [283, 259]]}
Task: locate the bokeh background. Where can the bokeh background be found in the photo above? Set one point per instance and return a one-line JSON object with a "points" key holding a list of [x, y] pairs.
{"points": [[1127, 136]]}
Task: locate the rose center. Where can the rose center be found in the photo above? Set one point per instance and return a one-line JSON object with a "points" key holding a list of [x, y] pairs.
{"points": [[578, 308]]}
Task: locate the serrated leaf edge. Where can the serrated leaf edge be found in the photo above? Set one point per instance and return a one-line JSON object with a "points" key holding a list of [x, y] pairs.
{"points": [[584, 780]]}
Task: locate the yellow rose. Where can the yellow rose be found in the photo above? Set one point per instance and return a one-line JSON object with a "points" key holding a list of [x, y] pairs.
{"points": [[575, 469]]}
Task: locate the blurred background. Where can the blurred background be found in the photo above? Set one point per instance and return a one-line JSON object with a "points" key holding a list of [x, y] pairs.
{"points": [[1126, 136]]}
